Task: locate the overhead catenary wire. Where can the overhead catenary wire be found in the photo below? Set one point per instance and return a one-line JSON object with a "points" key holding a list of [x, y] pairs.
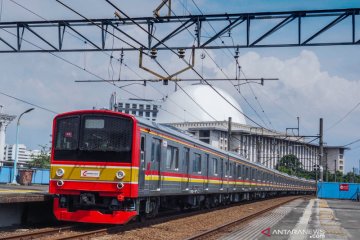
{"points": [[197, 73], [238, 90], [27, 102], [186, 63], [355, 141], [242, 71], [216, 64], [68, 7], [120, 59], [71, 63], [63, 59], [343, 117]]}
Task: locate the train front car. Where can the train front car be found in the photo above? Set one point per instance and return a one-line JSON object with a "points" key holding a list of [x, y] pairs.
{"points": [[94, 167]]}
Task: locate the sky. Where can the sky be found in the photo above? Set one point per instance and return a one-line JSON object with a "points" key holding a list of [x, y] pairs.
{"points": [[314, 82]]}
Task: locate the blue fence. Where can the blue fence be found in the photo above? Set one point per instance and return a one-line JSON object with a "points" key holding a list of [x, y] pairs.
{"points": [[40, 176], [338, 190]]}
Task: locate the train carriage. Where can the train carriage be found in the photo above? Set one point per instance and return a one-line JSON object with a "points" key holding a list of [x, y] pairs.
{"points": [[109, 167]]}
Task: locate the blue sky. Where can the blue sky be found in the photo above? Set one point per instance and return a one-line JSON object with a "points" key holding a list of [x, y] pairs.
{"points": [[314, 81]]}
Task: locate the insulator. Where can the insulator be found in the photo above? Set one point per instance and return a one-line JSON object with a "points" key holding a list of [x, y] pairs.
{"points": [[181, 52], [153, 53]]}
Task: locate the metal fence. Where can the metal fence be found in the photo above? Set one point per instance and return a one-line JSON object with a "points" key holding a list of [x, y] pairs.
{"points": [[339, 190], [40, 176]]}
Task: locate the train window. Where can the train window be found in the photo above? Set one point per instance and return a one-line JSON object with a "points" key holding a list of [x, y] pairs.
{"points": [[172, 158], [215, 166], [186, 157], [142, 148], [239, 171], [67, 133], [253, 172], [230, 169], [155, 150], [197, 163], [221, 167], [247, 172], [226, 169], [234, 170]]}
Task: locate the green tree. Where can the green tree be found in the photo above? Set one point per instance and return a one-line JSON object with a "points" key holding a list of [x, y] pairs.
{"points": [[43, 159], [289, 164]]}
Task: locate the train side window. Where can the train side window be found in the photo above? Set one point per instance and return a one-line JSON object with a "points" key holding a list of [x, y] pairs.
{"points": [[226, 169], [221, 167], [239, 171], [186, 159], [197, 163], [172, 158], [247, 172], [155, 150], [253, 172], [216, 166], [234, 170], [142, 148], [230, 169]]}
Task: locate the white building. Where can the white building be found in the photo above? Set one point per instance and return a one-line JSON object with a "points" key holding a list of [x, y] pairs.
{"points": [[334, 157], [24, 155], [207, 119], [139, 107]]}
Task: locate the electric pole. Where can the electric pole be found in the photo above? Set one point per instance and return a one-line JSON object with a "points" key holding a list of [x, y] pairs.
{"points": [[321, 150]]}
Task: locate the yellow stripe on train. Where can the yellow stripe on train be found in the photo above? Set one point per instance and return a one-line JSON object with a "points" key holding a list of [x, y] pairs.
{"points": [[94, 173]]}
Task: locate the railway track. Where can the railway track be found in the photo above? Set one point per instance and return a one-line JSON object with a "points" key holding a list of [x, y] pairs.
{"points": [[87, 232], [38, 233], [225, 227]]}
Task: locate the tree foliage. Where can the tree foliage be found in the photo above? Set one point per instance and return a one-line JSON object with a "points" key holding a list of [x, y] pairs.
{"points": [[43, 159], [291, 165]]}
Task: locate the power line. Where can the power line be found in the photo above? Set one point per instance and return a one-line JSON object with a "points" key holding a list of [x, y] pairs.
{"points": [[99, 26], [357, 140], [238, 90], [27, 102], [342, 118], [111, 57], [63, 59], [257, 100]]}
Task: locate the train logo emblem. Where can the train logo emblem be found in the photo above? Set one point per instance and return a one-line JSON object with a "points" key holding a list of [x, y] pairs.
{"points": [[88, 173]]}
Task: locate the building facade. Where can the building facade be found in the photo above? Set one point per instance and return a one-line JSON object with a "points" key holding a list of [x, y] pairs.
{"points": [[335, 160], [24, 155], [139, 107], [261, 145]]}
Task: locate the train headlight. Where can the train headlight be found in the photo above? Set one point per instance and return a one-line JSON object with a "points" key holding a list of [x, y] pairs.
{"points": [[60, 183], [60, 172], [120, 185], [120, 174]]}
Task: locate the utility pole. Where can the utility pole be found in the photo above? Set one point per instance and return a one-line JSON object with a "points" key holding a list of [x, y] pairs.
{"points": [[321, 149]]}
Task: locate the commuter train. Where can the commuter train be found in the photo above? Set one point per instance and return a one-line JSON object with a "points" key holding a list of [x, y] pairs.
{"points": [[109, 167]]}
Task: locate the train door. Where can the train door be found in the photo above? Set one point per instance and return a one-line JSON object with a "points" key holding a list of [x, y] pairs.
{"points": [[207, 167], [142, 163], [154, 166], [186, 168]]}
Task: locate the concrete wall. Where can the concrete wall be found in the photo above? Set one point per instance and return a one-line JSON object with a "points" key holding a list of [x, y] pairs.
{"points": [[333, 190]]}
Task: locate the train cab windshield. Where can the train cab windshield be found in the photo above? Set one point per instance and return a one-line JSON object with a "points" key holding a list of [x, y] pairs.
{"points": [[93, 138]]}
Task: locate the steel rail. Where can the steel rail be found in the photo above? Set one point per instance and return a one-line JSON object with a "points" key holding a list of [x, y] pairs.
{"points": [[239, 221], [37, 234]]}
